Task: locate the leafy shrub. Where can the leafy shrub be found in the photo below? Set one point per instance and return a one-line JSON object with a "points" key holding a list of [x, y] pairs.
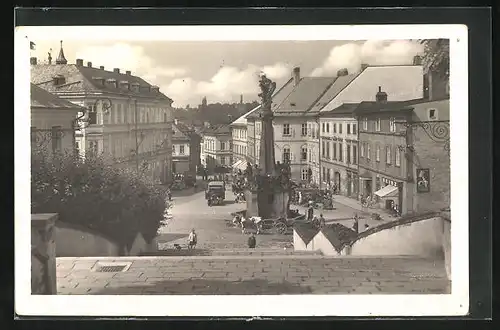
{"points": [[117, 203]]}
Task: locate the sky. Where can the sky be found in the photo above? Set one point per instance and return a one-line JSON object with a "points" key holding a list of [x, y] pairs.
{"points": [[223, 70]]}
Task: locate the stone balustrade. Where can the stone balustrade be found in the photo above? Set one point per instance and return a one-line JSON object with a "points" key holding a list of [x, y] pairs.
{"points": [[43, 253]]}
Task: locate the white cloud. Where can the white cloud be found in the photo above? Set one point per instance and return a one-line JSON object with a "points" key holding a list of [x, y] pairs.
{"points": [[127, 57], [374, 52], [227, 83]]}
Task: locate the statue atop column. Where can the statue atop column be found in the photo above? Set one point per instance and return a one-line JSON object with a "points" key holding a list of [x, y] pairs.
{"points": [[267, 158]]}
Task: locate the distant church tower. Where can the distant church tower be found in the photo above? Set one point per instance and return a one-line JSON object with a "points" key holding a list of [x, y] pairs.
{"points": [[241, 99], [61, 59]]}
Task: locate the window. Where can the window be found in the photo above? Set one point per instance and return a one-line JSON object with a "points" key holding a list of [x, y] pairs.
{"points": [[222, 146], [323, 151], [77, 147], [286, 129], [92, 115], [377, 154], [432, 114], [365, 124], [368, 151], [308, 129], [377, 125], [335, 151], [334, 128], [388, 156], [173, 149], [328, 149], [286, 154], [303, 174], [392, 124], [181, 149], [348, 128], [362, 150], [341, 158], [223, 160], [340, 128], [398, 157], [348, 154], [314, 128], [56, 136], [165, 117], [328, 127], [354, 129], [303, 129], [354, 155], [323, 129]]}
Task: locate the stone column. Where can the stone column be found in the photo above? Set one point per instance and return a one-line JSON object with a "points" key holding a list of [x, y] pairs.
{"points": [[43, 254]]}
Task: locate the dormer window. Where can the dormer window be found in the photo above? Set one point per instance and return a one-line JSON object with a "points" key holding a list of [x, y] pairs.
{"points": [[59, 80], [432, 114]]}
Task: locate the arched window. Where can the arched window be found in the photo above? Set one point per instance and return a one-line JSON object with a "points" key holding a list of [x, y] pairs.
{"points": [[303, 153]]}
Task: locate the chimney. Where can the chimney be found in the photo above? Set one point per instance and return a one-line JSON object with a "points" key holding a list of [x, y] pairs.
{"points": [[364, 66], [33, 60], [89, 64], [116, 70], [342, 72], [296, 75], [128, 73], [417, 60], [79, 62], [101, 67], [381, 96]]}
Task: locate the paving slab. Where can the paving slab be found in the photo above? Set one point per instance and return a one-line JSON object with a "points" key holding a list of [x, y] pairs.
{"points": [[249, 275]]}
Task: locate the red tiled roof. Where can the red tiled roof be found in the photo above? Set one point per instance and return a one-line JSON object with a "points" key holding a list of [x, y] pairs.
{"points": [[81, 79], [40, 98]]}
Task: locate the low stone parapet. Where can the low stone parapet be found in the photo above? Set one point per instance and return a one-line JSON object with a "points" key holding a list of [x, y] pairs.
{"points": [[43, 254]]}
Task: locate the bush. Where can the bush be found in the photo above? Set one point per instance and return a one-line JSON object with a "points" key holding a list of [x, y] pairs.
{"points": [[117, 203]]}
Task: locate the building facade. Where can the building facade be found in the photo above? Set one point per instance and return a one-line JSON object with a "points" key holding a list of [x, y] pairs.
{"points": [[339, 150], [185, 149], [404, 154], [53, 122], [128, 121], [298, 109], [216, 147]]}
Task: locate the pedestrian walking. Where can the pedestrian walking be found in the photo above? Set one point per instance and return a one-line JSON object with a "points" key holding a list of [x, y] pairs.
{"points": [[310, 211], [192, 240], [252, 241]]}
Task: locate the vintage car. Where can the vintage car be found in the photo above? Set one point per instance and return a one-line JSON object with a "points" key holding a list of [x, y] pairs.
{"points": [[215, 189]]}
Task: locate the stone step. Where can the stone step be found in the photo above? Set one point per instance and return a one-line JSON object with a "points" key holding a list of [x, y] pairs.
{"points": [[231, 252], [261, 252]]}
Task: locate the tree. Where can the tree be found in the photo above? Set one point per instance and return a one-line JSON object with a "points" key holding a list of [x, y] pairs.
{"points": [[436, 56]]}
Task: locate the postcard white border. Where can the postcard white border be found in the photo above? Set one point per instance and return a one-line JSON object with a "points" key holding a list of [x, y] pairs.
{"points": [[456, 303]]}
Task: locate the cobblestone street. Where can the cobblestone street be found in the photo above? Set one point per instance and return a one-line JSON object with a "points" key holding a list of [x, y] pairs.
{"points": [[212, 224]]}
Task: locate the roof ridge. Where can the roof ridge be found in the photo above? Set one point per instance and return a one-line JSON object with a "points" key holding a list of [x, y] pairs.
{"points": [[356, 75], [321, 95]]}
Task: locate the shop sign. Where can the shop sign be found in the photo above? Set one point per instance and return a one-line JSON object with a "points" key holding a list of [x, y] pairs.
{"points": [[423, 180], [390, 182]]}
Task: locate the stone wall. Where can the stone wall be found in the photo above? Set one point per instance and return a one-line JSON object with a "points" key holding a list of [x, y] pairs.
{"points": [[43, 254], [75, 241]]}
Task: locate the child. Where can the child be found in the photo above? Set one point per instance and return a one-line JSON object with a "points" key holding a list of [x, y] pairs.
{"points": [[192, 240], [252, 241]]}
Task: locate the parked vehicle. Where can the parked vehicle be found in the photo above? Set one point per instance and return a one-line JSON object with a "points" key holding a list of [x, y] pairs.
{"points": [[215, 192]]}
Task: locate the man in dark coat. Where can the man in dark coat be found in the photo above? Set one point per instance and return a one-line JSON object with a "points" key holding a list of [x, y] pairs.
{"points": [[252, 241]]}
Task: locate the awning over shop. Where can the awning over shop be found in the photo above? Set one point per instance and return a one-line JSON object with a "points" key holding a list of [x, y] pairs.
{"points": [[387, 191], [240, 165]]}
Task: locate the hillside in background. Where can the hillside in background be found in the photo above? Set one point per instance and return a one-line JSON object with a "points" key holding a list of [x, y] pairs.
{"points": [[214, 113]]}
